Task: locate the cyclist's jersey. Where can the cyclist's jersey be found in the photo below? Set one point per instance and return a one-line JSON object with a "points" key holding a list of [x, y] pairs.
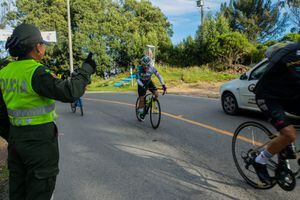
{"points": [[282, 77], [143, 75]]}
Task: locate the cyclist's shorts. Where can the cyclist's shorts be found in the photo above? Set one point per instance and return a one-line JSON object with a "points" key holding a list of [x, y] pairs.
{"points": [[150, 86], [275, 110]]}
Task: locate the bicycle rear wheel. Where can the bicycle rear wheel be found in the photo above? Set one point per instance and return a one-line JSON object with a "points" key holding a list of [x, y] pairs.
{"points": [[249, 139], [80, 105], [155, 113], [81, 110]]}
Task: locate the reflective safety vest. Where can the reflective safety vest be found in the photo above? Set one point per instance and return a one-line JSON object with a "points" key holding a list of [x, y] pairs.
{"points": [[24, 106]]}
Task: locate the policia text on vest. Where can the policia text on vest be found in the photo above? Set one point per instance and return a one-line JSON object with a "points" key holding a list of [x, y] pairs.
{"points": [[13, 85], [25, 107]]}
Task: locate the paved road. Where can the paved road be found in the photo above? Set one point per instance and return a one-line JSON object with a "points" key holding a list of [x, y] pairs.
{"points": [[109, 155]]}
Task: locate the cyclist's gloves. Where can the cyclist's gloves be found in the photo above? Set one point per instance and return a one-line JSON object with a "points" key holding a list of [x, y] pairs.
{"points": [[89, 60]]}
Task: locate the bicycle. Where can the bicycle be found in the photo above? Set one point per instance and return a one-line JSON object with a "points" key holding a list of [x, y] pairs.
{"points": [[77, 104], [249, 139], [151, 104]]}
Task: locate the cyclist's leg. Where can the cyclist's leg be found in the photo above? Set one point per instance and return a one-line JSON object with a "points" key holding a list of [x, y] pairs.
{"points": [[142, 93], [153, 89], [275, 111]]}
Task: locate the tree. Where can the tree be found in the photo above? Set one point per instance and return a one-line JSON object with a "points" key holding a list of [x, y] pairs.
{"points": [[185, 53], [295, 37], [4, 9], [207, 38], [260, 20], [294, 7], [234, 47], [116, 31]]}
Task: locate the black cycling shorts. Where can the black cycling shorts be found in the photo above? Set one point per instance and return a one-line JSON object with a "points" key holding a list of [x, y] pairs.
{"points": [[142, 91], [275, 110]]}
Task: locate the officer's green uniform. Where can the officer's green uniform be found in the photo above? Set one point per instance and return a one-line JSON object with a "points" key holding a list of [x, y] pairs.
{"points": [[28, 90]]}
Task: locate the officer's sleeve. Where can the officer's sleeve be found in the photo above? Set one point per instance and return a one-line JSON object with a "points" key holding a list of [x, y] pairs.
{"points": [[46, 84], [4, 121]]}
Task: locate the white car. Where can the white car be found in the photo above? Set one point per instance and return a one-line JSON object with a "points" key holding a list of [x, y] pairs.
{"points": [[235, 94]]}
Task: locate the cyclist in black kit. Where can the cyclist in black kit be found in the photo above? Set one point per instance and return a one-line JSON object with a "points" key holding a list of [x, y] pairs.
{"points": [[277, 92]]}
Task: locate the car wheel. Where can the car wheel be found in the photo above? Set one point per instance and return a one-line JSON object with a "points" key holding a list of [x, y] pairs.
{"points": [[229, 104]]}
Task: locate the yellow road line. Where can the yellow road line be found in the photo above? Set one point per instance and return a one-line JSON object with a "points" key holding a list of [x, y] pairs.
{"points": [[220, 131]]}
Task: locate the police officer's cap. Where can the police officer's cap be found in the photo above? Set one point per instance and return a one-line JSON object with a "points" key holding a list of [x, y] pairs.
{"points": [[27, 34]]}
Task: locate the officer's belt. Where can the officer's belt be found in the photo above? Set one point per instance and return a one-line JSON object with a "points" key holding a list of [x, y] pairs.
{"points": [[31, 112]]}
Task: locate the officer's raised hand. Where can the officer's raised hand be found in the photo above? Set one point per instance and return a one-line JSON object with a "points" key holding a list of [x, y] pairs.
{"points": [[89, 60]]}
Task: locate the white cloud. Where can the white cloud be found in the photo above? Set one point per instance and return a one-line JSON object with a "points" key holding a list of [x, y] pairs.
{"points": [[175, 7], [178, 20], [181, 7]]}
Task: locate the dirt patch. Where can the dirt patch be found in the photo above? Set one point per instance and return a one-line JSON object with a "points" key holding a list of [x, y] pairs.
{"points": [[204, 89]]}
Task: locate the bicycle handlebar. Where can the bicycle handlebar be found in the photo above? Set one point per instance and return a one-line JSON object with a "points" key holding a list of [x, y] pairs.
{"points": [[165, 91]]}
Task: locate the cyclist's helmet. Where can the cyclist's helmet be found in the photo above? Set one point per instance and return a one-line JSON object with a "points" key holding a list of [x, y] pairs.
{"points": [[146, 61], [275, 48]]}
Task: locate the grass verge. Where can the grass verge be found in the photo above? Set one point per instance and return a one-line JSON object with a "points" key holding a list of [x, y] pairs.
{"points": [[173, 76]]}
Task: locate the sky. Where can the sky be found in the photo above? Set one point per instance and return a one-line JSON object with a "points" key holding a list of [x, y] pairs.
{"points": [[185, 15]]}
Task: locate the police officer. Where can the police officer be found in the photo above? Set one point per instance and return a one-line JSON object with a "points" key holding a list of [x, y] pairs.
{"points": [[28, 90]]}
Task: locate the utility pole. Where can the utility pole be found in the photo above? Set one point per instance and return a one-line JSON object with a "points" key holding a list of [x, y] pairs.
{"points": [[70, 37], [200, 4]]}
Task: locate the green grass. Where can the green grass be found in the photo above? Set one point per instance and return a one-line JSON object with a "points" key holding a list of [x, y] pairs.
{"points": [[99, 84], [172, 76]]}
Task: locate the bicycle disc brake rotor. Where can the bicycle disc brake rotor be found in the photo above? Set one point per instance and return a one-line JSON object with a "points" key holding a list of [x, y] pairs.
{"points": [[286, 179]]}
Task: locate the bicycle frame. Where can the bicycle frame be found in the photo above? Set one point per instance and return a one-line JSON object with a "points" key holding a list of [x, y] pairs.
{"points": [[148, 103]]}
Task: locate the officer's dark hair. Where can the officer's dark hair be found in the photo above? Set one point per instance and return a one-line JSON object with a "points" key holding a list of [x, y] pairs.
{"points": [[16, 48]]}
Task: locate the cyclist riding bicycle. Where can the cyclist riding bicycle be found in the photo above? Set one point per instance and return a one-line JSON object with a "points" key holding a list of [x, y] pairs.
{"points": [[277, 92], [144, 73]]}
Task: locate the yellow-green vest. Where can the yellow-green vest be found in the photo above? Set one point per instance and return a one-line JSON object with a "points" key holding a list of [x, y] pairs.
{"points": [[24, 106]]}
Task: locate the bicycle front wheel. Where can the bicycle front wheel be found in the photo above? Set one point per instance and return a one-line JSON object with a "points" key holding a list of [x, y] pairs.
{"points": [[249, 139], [136, 109], [155, 113]]}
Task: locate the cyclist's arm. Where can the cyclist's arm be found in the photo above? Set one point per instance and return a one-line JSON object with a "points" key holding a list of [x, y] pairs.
{"points": [[138, 77], [46, 84], [4, 121], [140, 83], [157, 74]]}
